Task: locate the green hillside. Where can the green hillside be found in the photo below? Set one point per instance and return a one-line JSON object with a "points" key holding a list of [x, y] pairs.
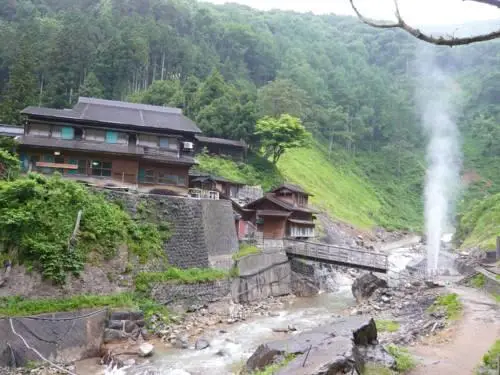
{"points": [[339, 187], [480, 226]]}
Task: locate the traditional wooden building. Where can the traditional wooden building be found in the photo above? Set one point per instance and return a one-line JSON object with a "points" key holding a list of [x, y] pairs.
{"points": [[199, 181], [224, 147], [283, 213], [108, 142]]}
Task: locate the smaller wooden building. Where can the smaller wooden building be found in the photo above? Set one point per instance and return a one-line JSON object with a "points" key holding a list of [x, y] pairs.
{"points": [[283, 213], [237, 150]]}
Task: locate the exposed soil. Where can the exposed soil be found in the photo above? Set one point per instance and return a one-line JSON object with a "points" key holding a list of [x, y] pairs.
{"points": [[459, 349]]}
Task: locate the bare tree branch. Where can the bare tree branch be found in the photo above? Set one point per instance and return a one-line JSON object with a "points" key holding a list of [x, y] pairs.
{"points": [[438, 40], [495, 3]]}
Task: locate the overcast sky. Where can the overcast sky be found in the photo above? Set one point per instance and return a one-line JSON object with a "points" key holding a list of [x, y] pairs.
{"points": [[418, 12]]}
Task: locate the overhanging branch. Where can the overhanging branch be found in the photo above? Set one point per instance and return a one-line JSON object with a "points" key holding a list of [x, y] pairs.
{"points": [[441, 40]]}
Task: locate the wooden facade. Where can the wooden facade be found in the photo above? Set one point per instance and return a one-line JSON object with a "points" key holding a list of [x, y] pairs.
{"points": [[283, 213], [144, 149]]}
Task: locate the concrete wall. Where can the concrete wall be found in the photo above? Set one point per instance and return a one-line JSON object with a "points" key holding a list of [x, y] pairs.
{"points": [[57, 340], [262, 276], [192, 294]]}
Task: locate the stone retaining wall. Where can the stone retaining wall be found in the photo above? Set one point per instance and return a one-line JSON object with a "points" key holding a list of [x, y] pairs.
{"points": [[60, 337], [191, 294], [203, 231]]}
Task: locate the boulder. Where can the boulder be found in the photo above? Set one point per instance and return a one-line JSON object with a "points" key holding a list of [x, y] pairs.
{"points": [[181, 343], [111, 335], [364, 286], [329, 349], [116, 324], [146, 349], [201, 344]]}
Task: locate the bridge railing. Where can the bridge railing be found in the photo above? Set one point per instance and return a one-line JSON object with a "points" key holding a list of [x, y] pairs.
{"points": [[334, 253]]}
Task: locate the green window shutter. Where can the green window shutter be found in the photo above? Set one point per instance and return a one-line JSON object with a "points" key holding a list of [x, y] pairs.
{"points": [[73, 162], [67, 132], [48, 158], [142, 174], [163, 142], [111, 137]]}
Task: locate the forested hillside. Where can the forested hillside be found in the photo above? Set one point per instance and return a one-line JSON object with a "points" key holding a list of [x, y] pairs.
{"points": [[227, 66]]}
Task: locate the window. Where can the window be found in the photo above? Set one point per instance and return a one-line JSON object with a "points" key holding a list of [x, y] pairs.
{"points": [[67, 132], [300, 231], [78, 134], [171, 179], [132, 139], [111, 137], [82, 166], [146, 176], [164, 142], [100, 168], [168, 179], [169, 143]]}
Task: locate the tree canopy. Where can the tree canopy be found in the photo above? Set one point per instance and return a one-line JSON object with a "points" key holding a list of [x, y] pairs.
{"points": [[279, 134]]}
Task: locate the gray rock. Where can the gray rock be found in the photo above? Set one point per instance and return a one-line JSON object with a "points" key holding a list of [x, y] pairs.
{"points": [[365, 285], [181, 343], [116, 324], [201, 344], [146, 349], [111, 335], [120, 315]]}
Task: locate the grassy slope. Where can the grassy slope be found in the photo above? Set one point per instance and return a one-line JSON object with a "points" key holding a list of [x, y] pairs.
{"points": [[340, 187], [480, 225]]}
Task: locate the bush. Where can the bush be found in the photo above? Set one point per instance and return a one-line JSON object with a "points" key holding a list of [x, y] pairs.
{"points": [[450, 303], [478, 281], [37, 218], [404, 360], [490, 359]]}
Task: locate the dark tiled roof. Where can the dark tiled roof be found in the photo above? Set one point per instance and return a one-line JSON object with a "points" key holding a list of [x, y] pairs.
{"points": [[11, 130], [221, 141], [291, 187], [203, 175], [285, 205], [272, 213], [121, 113], [102, 147]]}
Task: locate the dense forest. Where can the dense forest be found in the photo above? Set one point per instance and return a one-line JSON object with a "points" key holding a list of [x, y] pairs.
{"points": [[227, 66]]}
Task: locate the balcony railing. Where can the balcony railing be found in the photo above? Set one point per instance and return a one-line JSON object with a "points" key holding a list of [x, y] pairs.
{"points": [[203, 194]]}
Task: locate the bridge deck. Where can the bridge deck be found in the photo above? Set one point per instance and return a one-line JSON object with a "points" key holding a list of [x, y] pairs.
{"points": [[331, 254]]}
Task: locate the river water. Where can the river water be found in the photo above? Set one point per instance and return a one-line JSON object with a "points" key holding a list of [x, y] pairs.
{"points": [[229, 349]]}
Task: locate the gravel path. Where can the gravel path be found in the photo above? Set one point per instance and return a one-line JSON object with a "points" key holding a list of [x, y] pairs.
{"points": [[463, 346]]}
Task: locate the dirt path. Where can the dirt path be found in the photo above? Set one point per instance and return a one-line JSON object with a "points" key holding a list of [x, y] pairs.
{"points": [[460, 349]]}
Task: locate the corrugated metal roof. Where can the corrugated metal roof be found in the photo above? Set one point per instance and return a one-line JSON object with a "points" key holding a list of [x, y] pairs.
{"points": [[303, 222], [11, 130], [121, 113], [291, 187], [221, 141]]}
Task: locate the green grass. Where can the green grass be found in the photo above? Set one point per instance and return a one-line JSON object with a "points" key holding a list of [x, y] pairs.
{"points": [[387, 325], [404, 360], [143, 280], [490, 359], [376, 369], [246, 250], [347, 188], [479, 226], [450, 304], [478, 281], [272, 369], [18, 306], [255, 171]]}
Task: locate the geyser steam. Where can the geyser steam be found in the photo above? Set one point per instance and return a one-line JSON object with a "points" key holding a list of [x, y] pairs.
{"points": [[436, 93]]}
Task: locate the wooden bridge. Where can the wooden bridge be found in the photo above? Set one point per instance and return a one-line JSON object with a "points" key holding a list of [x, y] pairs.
{"points": [[341, 256]]}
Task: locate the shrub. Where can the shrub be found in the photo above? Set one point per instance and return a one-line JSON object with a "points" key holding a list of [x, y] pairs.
{"points": [[450, 303], [490, 359], [37, 218], [404, 360]]}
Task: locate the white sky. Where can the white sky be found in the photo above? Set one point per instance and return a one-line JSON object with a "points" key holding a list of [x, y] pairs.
{"points": [[416, 12]]}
